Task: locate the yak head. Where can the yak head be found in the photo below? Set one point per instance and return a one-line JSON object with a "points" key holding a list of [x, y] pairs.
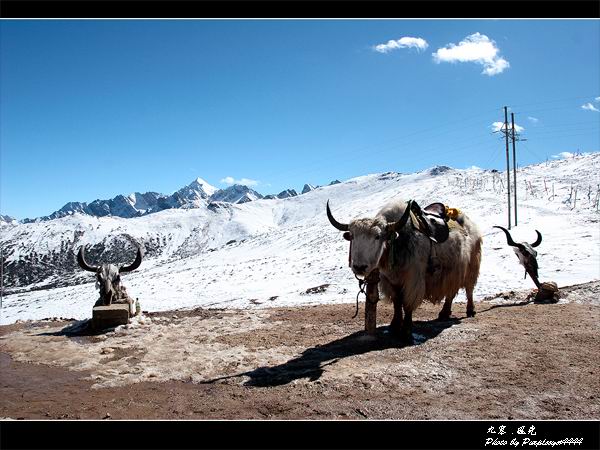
{"points": [[369, 238], [108, 276]]}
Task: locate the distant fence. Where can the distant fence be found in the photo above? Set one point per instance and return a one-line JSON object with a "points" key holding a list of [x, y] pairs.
{"points": [[573, 195]]}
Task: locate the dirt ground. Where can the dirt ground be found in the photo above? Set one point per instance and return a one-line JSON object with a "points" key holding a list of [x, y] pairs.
{"points": [[514, 360]]}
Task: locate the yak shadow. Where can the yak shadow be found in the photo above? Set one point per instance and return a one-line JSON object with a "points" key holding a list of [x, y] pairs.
{"points": [[79, 328], [310, 364]]}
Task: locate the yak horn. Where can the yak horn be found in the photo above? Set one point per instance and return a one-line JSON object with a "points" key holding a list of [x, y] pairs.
{"points": [[135, 264], [539, 239], [397, 226], [509, 239], [335, 223], [81, 260]]}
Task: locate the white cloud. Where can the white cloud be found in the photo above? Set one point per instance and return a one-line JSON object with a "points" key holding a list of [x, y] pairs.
{"points": [[589, 107], [497, 126], [564, 155], [597, 99], [533, 119], [477, 48], [404, 42], [243, 181]]}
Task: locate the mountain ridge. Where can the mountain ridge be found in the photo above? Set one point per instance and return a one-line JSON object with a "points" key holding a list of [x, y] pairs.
{"points": [[196, 194]]}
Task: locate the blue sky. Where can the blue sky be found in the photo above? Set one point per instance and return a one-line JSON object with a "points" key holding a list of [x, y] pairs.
{"points": [[92, 109]]}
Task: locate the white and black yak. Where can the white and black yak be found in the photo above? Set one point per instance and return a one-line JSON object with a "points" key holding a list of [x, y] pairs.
{"points": [[427, 254]]}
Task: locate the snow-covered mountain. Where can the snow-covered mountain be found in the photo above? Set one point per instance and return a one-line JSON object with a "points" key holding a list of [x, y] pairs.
{"points": [[307, 188], [236, 193], [287, 193], [7, 220], [193, 195], [271, 252], [197, 194]]}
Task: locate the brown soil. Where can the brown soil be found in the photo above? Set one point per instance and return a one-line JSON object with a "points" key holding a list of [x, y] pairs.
{"points": [[514, 360]]}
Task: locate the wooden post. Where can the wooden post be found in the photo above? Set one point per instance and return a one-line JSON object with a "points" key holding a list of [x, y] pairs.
{"points": [[371, 303], [1, 276], [571, 196]]}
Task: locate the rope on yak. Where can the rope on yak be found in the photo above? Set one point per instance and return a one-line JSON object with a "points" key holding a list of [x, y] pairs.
{"points": [[392, 252], [361, 286]]}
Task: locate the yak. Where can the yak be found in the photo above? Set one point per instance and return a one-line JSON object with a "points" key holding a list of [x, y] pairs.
{"points": [[420, 254]]}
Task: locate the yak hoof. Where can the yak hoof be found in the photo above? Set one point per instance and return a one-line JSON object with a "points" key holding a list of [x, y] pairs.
{"points": [[471, 313], [443, 315], [404, 335], [396, 328], [407, 339]]}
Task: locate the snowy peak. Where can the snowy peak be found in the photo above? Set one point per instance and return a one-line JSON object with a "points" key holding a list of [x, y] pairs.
{"points": [[438, 170], [235, 194], [287, 193], [7, 220], [70, 208], [201, 185], [199, 193], [143, 202], [192, 195], [307, 188]]}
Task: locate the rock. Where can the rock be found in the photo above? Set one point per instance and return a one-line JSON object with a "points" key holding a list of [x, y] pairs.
{"points": [[316, 289], [549, 286], [110, 316], [547, 293]]}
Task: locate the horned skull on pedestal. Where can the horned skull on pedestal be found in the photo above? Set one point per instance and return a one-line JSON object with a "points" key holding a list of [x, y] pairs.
{"points": [[526, 253], [108, 277]]}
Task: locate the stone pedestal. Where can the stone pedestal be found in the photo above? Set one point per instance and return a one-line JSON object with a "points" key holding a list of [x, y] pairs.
{"points": [[371, 303], [547, 293], [110, 316]]}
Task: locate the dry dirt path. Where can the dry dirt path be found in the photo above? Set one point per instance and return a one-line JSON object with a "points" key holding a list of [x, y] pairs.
{"points": [[514, 360]]}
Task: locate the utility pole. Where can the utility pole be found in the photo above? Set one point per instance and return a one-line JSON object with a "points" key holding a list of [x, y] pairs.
{"points": [[507, 161], [512, 118], [1, 276]]}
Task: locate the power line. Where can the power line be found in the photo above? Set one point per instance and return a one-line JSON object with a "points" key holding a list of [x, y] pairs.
{"points": [[403, 140], [555, 100], [560, 127], [553, 136], [407, 139], [526, 147], [528, 111], [495, 154]]}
